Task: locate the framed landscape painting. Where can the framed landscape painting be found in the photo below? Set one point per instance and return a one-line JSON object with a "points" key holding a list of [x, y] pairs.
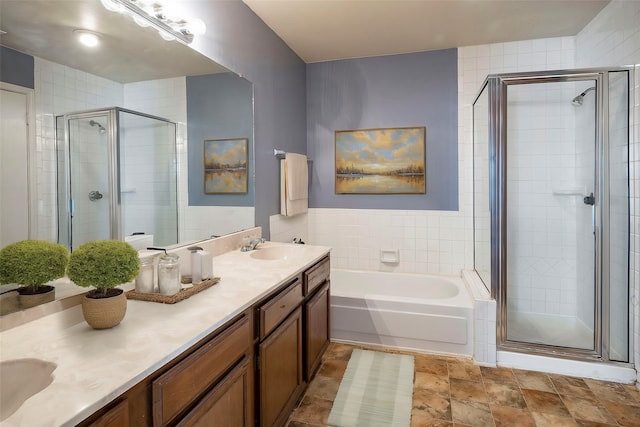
{"points": [[225, 166], [381, 161]]}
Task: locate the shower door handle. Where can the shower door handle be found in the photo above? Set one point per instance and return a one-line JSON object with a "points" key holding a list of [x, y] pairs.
{"points": [[589, 200]]}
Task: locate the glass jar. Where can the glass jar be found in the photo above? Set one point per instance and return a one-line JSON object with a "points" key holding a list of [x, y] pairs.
{"points": [[145, 281], [169, 274]]}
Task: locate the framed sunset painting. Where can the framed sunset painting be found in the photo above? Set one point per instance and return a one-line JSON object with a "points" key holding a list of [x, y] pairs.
{"points": [[381, 161], [225, 166]]}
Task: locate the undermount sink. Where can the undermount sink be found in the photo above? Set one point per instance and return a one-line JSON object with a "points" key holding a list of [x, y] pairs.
{"points": [[276, 253], [19, 380]]}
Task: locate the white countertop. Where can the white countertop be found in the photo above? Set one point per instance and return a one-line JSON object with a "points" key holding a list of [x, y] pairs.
{"points": [[96, 366]]}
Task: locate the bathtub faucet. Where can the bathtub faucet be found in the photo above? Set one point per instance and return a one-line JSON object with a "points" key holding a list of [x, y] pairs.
{"points": [[252, 244]]}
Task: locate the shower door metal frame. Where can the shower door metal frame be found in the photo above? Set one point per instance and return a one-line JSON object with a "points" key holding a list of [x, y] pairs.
{"points": [[113, 147], [497, 86], [112, 160]]}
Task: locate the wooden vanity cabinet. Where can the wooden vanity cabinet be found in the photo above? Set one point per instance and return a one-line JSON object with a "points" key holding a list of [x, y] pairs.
{"points": [[280, 364], [316, 316], [194, 389]]}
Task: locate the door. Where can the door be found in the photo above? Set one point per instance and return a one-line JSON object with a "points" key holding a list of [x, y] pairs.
{"points": [[89, 183], [552, 201]]}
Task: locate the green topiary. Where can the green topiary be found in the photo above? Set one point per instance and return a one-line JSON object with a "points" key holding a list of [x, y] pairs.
{"points": [[103, 264], [32, 263]]}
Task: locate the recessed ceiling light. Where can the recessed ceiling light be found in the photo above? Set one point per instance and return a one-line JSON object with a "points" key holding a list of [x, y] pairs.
{"points": [[87, 38]]}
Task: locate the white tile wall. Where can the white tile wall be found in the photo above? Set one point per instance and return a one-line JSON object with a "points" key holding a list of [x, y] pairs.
{"points": [[285, 229], [428, 241], [613, 39], [60, 90]]}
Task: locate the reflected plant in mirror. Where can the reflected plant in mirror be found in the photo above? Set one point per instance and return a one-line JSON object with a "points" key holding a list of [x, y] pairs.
{"points": [[31, 265]]}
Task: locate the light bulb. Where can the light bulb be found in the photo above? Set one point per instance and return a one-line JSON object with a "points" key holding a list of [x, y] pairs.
{"points": [[87, 38], [196, 26], [112, 6]]}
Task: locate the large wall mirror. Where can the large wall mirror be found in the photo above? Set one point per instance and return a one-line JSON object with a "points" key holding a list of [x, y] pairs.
{"points": [[134, 69]]}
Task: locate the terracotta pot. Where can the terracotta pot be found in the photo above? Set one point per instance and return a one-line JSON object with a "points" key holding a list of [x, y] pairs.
{"points": [[104, 313], [27, 300]]}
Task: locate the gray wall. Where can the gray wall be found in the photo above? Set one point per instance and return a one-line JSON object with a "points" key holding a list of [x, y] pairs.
{"points": [[417, 89], [237, 39], [16, 67], [219, 106]]}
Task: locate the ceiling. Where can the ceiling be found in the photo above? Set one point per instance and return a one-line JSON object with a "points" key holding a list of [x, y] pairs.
{"points": [[324, 30], [127, 53], [317, 30]]}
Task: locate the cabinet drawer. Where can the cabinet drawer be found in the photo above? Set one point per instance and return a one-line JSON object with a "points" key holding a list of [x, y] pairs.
{"points": [[179, 387], [275, 310], [316, 275]]}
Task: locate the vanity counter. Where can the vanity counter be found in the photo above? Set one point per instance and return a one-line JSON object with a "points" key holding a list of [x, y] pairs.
{"points": [[96, 366]]}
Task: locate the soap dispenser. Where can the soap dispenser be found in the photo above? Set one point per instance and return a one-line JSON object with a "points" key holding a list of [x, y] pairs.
{"points": [[201, 264]]}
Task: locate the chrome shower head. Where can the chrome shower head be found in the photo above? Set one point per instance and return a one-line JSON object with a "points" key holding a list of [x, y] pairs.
{"points": [[578, 100], [101, 128]]}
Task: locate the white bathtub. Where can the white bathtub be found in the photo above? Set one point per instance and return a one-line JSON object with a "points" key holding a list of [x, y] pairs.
{"points": [[410, 311]]}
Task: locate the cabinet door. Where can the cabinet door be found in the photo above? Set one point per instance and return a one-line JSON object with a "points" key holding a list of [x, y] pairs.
{"points": [[281, 371], [118, 416], [316, 330], [228, 404]]}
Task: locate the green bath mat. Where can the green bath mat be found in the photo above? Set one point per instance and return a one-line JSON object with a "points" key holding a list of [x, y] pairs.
{"points": [[376, 390]]}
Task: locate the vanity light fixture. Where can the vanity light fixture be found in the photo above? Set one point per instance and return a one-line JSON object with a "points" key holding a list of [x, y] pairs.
{"points": [[162, 17], [87, 38]]}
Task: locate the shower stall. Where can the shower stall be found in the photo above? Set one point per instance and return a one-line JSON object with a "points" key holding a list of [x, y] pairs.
{"points": [[551, 210], [116, 177]]}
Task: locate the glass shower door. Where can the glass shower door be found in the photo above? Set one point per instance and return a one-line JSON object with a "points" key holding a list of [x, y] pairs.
{"points": [[89, 188], [551, 201]]}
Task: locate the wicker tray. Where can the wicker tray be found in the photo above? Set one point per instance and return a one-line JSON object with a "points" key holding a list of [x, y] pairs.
{"points": [[172, 299]]}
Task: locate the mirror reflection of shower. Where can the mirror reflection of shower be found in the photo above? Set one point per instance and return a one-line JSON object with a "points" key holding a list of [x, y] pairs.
{"points": [[112, 184], [578, 100], [101, 128]]}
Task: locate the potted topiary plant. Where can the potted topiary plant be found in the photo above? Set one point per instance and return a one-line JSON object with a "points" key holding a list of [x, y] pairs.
{"points": [[31, 264], [103, 264]]}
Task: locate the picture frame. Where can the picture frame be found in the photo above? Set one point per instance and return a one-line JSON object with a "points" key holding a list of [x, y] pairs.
{"points": [[225, 166], [381, 161]]}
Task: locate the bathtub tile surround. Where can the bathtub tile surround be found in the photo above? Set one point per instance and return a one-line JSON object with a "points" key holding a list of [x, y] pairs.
{"points": [[450, 390], [430, 242]]}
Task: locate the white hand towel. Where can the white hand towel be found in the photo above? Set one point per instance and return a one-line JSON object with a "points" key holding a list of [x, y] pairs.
{"points": [[297, 176], [294, 183]]}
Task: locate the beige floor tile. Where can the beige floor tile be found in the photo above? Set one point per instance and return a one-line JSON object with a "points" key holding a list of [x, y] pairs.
{"points": [[431, 382], [545, 402], [472, 413], [507, 416], [534, 380], [467, 391], [464, 370], [504, 394]]}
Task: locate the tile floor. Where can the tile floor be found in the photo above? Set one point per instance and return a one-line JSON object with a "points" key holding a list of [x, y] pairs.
{"points": [[450, 391]]}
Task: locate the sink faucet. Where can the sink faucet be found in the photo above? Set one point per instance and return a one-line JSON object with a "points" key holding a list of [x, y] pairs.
{"points": [[251, 245]]}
